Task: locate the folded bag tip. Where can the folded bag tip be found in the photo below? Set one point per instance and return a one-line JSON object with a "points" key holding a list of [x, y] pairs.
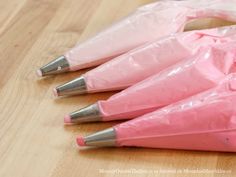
{"points": [[67, 119], [55, 93], [80, 141], [39, 73]]}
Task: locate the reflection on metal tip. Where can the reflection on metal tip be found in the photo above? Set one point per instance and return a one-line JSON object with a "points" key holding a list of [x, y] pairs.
{"points": [[90, 113], [105, 137], [74, 87], [59, 65]]}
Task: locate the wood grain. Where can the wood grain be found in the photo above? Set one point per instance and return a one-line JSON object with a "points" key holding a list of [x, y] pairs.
{"points": [[33, 140]]}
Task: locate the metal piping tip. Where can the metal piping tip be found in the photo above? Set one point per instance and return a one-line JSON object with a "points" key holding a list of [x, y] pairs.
{"points": [[74, 87], [105, 137], [59, 65], [90, 113]]}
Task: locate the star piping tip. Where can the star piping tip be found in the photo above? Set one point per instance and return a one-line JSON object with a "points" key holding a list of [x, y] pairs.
{"points": [[39, 73], [67, 119], [55, 93], [80, 141]]}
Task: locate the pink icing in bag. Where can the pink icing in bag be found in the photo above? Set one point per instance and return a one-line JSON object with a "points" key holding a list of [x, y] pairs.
{"points": [[153, 57], [180, 81], [191, 76], [148, 23], [206, 121], [144, 61]]}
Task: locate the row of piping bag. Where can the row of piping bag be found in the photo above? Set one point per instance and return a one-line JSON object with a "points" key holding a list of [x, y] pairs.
{"points": [[144, 61], [205, 121], [189, 77], [146, 24]]}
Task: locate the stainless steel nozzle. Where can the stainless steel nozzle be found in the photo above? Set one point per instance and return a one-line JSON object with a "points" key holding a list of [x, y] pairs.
{"points": [[88, 114], [59, 65], [74, 87], [105, 137]]}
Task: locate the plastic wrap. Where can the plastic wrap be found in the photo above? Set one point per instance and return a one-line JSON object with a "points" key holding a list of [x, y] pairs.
{"points": [[148, 23], [191, 76], [153, 57], [206, 121]]}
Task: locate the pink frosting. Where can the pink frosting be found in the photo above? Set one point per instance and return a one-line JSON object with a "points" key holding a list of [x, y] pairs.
{"points": [[206, 121], [191, 76], [153, 57], [148, 23]]}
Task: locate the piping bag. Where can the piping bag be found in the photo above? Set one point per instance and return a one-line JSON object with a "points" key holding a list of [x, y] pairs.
{"points": [[148, 23], [206, 121], [189, 77], [144, 61]]}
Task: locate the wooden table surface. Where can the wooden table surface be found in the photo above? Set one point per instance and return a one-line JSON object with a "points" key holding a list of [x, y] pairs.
{"points": [[33, 140]]}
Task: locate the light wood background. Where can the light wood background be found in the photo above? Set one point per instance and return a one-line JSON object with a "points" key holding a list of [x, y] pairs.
{"points": [[33, 140]]}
